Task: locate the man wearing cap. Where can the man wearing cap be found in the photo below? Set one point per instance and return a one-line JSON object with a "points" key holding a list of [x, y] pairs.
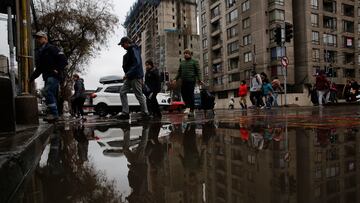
{"points": [[50, 62], [133, 79]]}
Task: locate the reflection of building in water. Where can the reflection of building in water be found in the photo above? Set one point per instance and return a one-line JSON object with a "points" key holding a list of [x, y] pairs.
{"points": [[238, 171], [329, 169]]}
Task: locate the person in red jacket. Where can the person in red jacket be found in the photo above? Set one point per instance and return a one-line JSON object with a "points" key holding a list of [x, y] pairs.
{"points": [[243, 90]]}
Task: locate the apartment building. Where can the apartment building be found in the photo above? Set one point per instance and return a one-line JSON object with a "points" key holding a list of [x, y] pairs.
{"points": [[237, 36], [326, 38], [163, 29]]}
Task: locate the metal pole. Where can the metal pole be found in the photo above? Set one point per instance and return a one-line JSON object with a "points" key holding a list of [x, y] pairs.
{"points": [[11, 47], [25, 65]]}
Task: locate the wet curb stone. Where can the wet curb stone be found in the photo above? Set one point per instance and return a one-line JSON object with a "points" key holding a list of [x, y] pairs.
{"points": [[19, 155]]}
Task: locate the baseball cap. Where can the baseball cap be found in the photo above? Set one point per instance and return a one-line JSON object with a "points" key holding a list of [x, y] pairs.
{"points": [[124, 39], [41, 34]]}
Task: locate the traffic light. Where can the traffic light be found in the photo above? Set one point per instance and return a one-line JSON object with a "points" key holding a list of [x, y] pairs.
{"points": [[277, 35], [288, 32]]}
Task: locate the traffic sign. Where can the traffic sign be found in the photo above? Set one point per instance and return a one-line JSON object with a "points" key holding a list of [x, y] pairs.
{"points": [[284, 61]]}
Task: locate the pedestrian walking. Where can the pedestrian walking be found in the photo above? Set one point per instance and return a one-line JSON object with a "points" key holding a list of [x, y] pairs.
{"points": [[276, 85], [255, 90], [151, 88], [50, 61], [242, 93], [333, 93], [322, 87], [268, 93], [78, 99], [231, 103], [189, 73], [133, 79]]}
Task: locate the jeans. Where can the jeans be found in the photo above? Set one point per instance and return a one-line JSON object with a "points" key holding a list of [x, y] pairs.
{"points": [[136, 86], [275, 96], [323, 94], [51, 91]]}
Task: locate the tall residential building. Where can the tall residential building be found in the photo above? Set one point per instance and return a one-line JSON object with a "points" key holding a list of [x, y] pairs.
{"points": [[163, 29], [326, 38], [237, 36]]}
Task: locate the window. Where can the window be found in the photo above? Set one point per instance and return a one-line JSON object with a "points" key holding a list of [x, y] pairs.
{"points": [[246, 23], [246, 40], [203, 30], [217, 68], [315, 37], [113, 89], [203, 19], [233, 47], [232, 16], [330, 22], [316, 55], [234, 77], [206, 70], [247, 57], [314, 20], [232, 32], [233, 63], [206, 57], [329, 39], [202, 4], [276, 70], [348, 10], [348, 26], [245, 6], [277, 52], [204, 44], [230, 3], [215, 12], [348, 42], [315, 4], [277, 15]]}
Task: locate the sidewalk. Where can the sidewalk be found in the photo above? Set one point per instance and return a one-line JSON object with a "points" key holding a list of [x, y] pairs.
{"points": [[19, 155]]}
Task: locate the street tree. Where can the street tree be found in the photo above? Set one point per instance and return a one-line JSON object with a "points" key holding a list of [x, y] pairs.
{"points": [[79, 27]]}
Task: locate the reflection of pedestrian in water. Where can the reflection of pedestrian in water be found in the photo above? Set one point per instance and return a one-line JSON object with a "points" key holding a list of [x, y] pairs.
{"points": [[192, 161], [55, 154], [138, 167], [208, 131], [82, 143]]}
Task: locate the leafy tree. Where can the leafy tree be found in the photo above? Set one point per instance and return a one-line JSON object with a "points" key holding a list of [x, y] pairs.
{"points": [[79, 27]]}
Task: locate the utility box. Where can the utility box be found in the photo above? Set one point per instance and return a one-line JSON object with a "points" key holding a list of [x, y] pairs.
{"points": [[7, 107]]}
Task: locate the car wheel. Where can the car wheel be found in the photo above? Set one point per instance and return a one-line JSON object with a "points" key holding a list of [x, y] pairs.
{"points": [[101, 109]]}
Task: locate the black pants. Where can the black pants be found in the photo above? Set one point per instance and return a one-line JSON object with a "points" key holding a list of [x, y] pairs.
{"points": [[256, 98], [153, 105], [77, 106], [187, 93]]}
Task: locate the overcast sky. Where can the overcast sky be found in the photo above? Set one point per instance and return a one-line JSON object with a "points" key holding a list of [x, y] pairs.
{"points": [[108, 62]]}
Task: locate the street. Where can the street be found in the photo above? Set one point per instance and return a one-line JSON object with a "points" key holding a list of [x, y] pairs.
{"points": [[294, 154]]}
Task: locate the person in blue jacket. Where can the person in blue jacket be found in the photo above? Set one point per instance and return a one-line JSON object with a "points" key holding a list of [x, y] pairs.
{"points": [[50, 61], [133, 79]]}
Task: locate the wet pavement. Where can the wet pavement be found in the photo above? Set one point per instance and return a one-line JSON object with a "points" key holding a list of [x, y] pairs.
{"points": [[303, 155]]}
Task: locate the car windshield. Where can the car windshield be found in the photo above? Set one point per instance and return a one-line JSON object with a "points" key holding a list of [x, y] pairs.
{"points": [[98, 89]]}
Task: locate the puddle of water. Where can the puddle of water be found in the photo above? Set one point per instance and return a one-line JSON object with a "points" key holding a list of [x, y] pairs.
{"points": [[247, 160]]}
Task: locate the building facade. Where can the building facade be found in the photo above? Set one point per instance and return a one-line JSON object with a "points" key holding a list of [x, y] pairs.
{"points": [[237, 36], [163, 29], [326, 38]]}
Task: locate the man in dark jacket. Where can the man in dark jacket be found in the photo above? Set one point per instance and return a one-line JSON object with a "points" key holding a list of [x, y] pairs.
{"points": [[151, 88], [50, 62], [133, 79], [78, 99]]}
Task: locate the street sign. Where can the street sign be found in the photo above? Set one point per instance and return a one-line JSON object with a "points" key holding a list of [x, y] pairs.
{"points": [[284, 61]]}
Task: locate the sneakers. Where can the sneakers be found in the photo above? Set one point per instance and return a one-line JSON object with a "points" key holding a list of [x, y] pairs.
{"points": [[123, 116]]}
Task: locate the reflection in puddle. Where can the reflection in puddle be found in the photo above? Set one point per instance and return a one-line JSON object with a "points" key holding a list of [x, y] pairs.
{"points": [[242, 161]]}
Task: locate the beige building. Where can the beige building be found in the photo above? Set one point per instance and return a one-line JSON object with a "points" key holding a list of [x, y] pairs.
{"points": [[163, 29], [237, 36], [326, 38]]}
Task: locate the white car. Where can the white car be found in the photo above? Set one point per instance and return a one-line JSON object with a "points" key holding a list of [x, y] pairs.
{"points": [[106, 100]]}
